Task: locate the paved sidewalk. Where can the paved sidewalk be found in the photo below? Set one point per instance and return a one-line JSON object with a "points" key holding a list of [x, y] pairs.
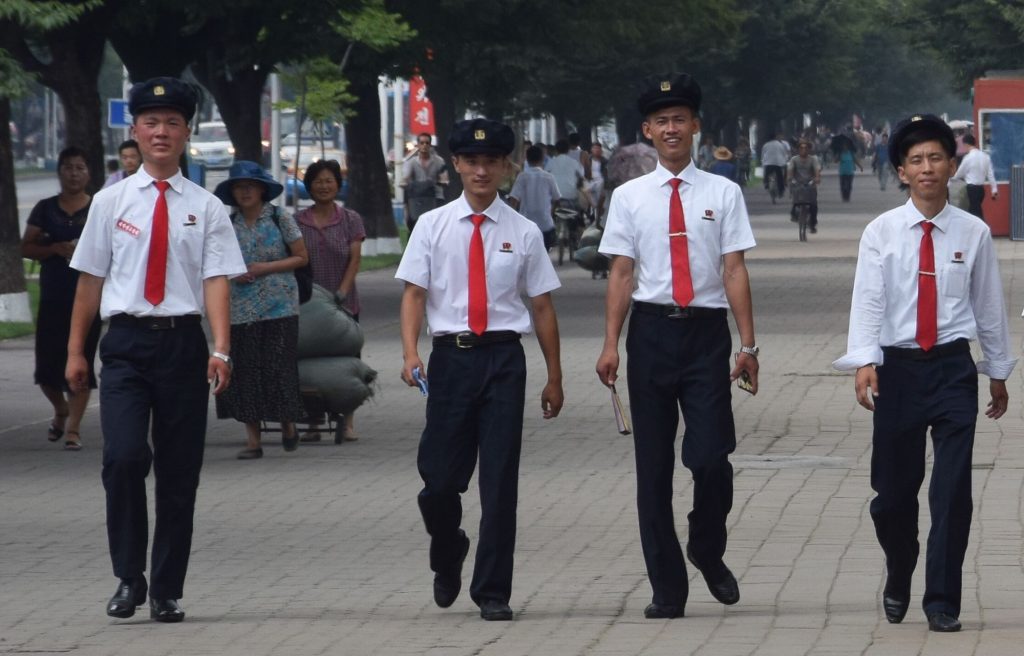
{"points": [[322, 551]]}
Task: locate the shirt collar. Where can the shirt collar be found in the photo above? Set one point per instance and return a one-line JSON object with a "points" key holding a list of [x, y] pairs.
{"points": [[492, 211], [142, 179], [913, 216], [687, 175]]}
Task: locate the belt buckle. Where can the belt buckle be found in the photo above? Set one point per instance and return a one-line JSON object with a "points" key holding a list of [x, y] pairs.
{"points": [[678, 313], [459, 343]]}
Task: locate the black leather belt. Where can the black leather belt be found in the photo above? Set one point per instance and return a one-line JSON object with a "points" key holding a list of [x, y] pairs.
{"points": [[155, 323], [470, 340], [676, 312], [956, 347]]}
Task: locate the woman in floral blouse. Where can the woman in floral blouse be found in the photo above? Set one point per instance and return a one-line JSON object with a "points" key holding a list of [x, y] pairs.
{"points": [[264, 310]]}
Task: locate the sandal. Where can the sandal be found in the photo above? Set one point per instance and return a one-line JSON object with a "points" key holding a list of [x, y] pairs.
{"points": [[73, 443], [311, 436], [55, 432]]}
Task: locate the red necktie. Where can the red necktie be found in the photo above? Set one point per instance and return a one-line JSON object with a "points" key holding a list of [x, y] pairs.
{"points": [[927, 330], [156, 265], [682, 285], [477, 279]]}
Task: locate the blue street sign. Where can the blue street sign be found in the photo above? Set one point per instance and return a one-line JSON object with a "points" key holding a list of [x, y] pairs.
{"points": [[118, 115]]}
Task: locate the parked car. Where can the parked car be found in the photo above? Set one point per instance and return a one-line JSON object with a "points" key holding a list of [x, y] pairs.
{"points": [[211, 146]]}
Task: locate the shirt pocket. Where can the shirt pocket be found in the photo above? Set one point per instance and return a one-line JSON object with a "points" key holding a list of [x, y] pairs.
{"points": [[502, 270], [954, 280], [186, 238]]}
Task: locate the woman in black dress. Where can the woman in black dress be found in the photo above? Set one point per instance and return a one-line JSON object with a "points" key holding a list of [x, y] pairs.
{"points": [[50, 237]]}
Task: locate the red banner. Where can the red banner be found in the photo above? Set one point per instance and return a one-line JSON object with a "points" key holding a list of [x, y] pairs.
{"points": [[421, 110]]}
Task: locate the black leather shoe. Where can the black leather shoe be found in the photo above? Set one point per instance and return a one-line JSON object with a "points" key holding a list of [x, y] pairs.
{"points": [[130, 594], [895, 603], [723, 587], [290, 442], [943, 623], [663, 611], [447, 585], [495, 611], [166, 610]]}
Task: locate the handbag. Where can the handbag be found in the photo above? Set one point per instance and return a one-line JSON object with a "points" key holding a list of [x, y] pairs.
{"points": [[304, 274]]}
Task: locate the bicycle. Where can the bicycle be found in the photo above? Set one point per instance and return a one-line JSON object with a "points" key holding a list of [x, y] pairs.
{"points": [[804, 198], [568, 226]]}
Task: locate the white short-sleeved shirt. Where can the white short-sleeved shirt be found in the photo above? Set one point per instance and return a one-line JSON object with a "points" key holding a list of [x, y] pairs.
{"points": [[716, 224], [883, 311], [515, 260], [115, 245], [536, 191]]}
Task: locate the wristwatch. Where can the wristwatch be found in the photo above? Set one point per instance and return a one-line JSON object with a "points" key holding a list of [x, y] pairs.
{"points": [[750, 350], [222, 356]]}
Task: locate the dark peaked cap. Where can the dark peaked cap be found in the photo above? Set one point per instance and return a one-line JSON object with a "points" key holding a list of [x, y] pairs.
{"points": [[671, 90], [481, 135], [929, 124], [163, 92]]}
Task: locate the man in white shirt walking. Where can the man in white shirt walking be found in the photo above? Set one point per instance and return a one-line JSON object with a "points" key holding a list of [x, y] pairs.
{"points": [[927, 282], [976, 170], [468, 266], [676, 238]]}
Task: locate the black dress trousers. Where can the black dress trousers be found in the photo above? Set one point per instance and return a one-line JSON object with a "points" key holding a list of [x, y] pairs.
{"points": [[673, 365], [914, 395], [156, 376], [475, 407]]}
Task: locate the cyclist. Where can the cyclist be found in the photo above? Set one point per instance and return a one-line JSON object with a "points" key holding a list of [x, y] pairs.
{"points": [[774, 156], [803, 174]]}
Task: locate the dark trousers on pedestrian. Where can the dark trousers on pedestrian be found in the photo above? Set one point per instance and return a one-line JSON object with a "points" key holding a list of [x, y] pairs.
{"points": [[941, 393], [475, 407], [845, 185], [153, 378], [682, 364], [975, 195]]}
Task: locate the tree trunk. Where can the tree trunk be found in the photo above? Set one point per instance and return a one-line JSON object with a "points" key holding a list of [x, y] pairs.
{"points": [[627, 124], [71, 68], [369, 192], [238, 94], [84, 127], [12, 274]]}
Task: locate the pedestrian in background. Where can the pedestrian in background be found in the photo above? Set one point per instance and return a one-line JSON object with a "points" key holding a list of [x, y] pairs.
{"points": [[131, 159], [468, 266], [158, 250], [51, 235], [334, 237], [264, 310], [676, 238], [881, 160], [847, 161], [927, 283], [976, 170], [534, 195], [723, 164], [424, 178]]}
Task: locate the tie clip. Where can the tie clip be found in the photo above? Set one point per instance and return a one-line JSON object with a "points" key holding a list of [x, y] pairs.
{"points": [[677, 234], [926, 273]]}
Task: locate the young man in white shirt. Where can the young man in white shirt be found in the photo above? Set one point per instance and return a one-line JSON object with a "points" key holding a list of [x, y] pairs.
{"points": [[676, 237], [468, 265], [927, 283], [157, 250]]}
